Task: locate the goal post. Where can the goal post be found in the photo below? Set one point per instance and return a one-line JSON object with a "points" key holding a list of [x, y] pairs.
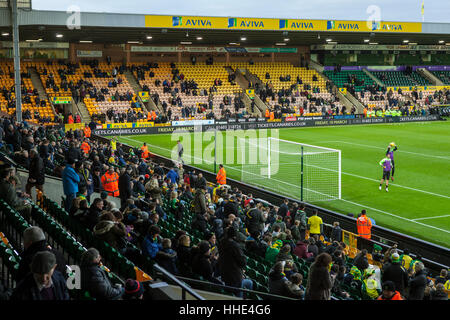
{"points": [[306, 172]]}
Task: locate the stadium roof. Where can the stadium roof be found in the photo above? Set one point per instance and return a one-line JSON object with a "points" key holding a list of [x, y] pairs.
{"points": [[165, 30]]}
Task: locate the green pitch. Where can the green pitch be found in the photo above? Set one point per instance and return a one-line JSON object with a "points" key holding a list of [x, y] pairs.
{"points": [[418, 201]]}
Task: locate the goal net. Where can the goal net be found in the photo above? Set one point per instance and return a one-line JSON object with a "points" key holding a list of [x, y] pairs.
{"points": [[301, 171]]}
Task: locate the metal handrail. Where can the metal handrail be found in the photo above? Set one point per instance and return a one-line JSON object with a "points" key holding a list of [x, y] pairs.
{"points": [[221, 286], [184, 287]]}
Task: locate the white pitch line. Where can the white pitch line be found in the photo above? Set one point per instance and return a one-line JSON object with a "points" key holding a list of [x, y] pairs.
{"points": [[393, 215], [402, 151], [436, 217], [343, 172]]}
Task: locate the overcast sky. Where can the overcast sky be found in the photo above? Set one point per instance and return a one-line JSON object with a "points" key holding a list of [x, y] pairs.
{"points": [[390, 10]]}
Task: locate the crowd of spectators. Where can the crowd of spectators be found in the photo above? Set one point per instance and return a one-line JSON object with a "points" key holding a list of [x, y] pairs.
{"points": [[232, 226]]}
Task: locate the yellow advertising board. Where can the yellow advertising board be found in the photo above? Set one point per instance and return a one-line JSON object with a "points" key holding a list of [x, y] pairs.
{"points": [[236, 23], [127, 125], [73, 126], [343, 90], [144, 96], [61, 100]]}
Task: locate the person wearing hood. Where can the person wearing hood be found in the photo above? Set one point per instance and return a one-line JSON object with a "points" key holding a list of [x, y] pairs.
{"points": [[111, 231], [279, 284], [370, 284], [152, 188], [254, 244]]}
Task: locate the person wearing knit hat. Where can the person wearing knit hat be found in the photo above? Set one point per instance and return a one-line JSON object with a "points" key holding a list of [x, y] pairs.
{"points": [[389, 292], [395, 258], [396, 273], [44, 282], [134, 290]]}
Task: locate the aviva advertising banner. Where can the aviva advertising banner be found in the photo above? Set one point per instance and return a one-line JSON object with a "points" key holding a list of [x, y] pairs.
{"points": [[193, 22], [143, 124]]}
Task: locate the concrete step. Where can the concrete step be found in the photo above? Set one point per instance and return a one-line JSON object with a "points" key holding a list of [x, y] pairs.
{"points": [[84, 112], [37, 83], [150, 105]]}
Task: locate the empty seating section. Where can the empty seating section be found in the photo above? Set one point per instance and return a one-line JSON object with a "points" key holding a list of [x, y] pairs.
{"points": [[400, 78], [29, 105], [343, 78]]}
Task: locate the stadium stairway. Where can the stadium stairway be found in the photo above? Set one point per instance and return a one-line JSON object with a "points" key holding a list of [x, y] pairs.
{"points": [[430, 76], [136, 88], [37, 83], [375, 79], [150, 105], [84, 112], [348, 99]]}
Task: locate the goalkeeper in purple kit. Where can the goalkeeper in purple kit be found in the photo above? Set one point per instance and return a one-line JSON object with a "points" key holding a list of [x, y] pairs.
{"points": [[390, 153], [386, 163]]}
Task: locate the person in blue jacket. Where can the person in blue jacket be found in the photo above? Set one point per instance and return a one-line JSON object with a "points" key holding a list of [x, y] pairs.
{"points": [[172, 175], [70, 180], [152, 242]]}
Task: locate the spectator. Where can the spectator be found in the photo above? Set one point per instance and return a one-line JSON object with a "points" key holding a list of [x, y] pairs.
{"points": [[255, 219], [167, 257], [336, 233], [93, 215], [111, 231], [389, 292], [152, 242], [9, 194], [134, 290], [43, 282], [203, 263], [279, 284], [417, 282], [94, 278], [125, 186], [36, 176], [320, 281], [232, 262], [361, 261], [396, 273], [439, 293], [370, 284], [33, 242], [70, 183], [295, 286], [315, 224], [184, 254]]}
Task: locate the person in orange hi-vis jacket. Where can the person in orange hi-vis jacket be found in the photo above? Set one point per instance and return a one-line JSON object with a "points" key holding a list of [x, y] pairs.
{"points": [[221, 177]]}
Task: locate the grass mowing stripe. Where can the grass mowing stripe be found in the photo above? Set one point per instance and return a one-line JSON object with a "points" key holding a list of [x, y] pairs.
{"points": [[374, 147]]}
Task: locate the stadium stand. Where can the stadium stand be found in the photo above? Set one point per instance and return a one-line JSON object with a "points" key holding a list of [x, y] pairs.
{"points": [[291, 90], [200, 91], [34, 109]]}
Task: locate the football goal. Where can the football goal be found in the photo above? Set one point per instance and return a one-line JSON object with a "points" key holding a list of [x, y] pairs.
{"points": [[301, 171]]}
